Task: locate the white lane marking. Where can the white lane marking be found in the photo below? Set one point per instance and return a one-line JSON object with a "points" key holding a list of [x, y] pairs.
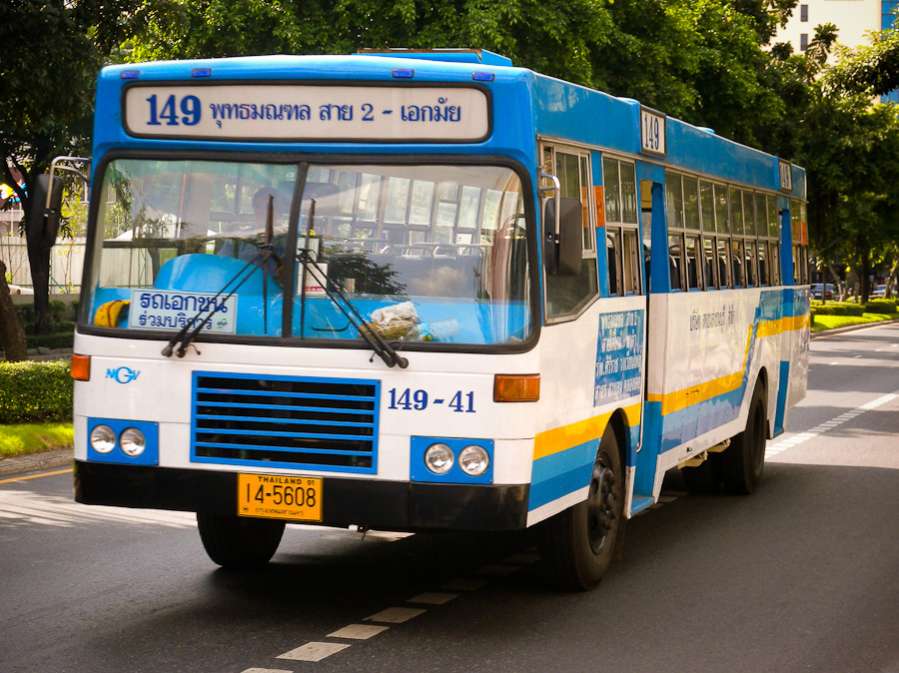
{"points": [[265, 670], [313, 651], [395, 615], [358, 631], [497, 570], [781, 445], [28, 507], [465, 584], [432, 598], [833, 363], [858, 356]]}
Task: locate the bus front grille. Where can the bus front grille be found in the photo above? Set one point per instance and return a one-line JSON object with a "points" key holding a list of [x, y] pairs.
{"points": [[285, 421]]}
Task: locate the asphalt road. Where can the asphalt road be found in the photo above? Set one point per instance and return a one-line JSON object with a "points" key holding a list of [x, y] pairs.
{"points": [[802, 576]]}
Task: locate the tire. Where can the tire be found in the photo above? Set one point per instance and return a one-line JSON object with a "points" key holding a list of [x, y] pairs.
{"points": [[578, 544], [743, 463], [239, 543]]}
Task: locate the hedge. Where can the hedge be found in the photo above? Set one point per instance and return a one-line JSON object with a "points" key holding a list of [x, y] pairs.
{"points": [[881, 306], [838, 308], [35, 392]]}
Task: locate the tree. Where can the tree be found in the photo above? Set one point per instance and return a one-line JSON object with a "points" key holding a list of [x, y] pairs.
{"points": [[872, 69], [12, 336], [52, 50]]}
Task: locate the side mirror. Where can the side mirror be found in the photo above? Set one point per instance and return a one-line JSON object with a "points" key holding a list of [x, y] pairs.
{"points": [[46, 202]]}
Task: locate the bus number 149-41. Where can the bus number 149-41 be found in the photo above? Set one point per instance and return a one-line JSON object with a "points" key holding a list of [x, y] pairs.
{"points": [[462, 402]]}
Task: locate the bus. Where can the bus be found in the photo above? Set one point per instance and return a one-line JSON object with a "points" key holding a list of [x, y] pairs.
{"points": [[425, 291]]}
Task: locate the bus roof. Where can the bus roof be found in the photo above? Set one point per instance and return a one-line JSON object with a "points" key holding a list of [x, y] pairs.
{"points": [[525, 104]]}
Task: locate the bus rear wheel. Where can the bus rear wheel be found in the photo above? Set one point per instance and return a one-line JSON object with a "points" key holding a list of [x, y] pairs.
{"points": [[239, 543], [578, 544], [742, 464]]}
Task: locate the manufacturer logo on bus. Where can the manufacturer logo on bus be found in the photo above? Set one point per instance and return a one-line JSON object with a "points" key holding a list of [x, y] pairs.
{"points": [[122, 374]]}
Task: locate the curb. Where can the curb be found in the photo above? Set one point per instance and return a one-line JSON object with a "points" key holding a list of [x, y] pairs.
{"points": [[35, 461], [852, 328]]}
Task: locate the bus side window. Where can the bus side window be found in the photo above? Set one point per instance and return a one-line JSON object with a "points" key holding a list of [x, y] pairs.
{"points": [[774, 262], [576, 281], [631, 273], [737, 262], [622, 213], [723, 264], [676, 262], [722, 226], [763, 264], [692, 268], [750, 267], [613, 251], [708, 251]]}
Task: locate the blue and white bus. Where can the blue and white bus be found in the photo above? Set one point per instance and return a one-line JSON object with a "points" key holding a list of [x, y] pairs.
{"points": [[425, 291]]}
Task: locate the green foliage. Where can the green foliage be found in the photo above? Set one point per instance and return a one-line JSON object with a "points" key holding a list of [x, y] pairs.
{"points": [[22, 438], [881, 306], [35, 392], [872, 69], [61, 314], [839, 308]]}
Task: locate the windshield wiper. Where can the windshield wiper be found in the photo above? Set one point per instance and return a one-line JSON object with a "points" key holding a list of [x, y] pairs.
{"points": [[199, 320], [378, 344]]}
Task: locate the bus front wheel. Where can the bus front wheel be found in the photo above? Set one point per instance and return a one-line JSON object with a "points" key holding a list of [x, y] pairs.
{"points": [[239, 543], [578, 544]]}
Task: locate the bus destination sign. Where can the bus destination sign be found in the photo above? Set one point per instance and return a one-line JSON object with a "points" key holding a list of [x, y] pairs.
{"points": [[272, 112]]}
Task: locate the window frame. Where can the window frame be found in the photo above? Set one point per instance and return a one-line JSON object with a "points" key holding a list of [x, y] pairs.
{"points": [[547, 150], [622, 226]]}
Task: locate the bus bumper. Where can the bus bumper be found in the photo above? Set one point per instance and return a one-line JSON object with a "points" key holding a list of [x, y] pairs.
{"points": [[385, 505]]}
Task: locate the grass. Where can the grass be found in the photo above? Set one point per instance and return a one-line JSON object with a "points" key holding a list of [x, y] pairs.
{"points": [[826, 322], [21, 438]]}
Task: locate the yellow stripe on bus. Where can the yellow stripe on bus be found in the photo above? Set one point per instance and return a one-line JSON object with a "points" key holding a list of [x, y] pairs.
{"points": [[701, 392], [565, 437]]}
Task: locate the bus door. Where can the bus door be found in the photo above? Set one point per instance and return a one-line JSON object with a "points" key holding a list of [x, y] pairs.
{"points": [[651, 181]]}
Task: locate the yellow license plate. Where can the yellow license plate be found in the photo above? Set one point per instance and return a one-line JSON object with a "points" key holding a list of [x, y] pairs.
{"points": [[278, 496]]}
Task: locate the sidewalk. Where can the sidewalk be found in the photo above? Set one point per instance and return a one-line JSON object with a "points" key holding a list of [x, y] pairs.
{"points": [[35, 461]]}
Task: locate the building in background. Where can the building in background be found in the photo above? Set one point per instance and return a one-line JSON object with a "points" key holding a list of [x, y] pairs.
{"points": [[854, 19]]}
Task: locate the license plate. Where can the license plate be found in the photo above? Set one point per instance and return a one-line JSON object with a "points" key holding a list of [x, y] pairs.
{"points": [[278, 496]]}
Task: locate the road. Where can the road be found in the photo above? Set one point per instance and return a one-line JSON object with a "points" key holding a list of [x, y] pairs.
{"points": [[802, 576]]}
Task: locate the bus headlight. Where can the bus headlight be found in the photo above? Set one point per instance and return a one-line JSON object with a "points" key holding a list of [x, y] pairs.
{"points": [[474, 460], [439, 458], [133, 442], [102, 439]]}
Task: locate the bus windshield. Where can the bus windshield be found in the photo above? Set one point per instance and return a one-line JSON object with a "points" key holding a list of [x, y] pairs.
{"points": [[425, 253]]}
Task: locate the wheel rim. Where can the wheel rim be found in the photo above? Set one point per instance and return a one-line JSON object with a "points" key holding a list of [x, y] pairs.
{"points": [[602, 504]]}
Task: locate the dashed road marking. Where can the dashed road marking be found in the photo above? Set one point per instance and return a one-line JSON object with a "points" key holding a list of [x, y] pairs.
{"points": [[465, 584], [265, 670], [395, 615], [358, 631], [791, 441], [433, 598], [313, 651]]}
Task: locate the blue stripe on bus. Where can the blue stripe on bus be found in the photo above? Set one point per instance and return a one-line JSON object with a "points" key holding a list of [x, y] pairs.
{"points": [[561, 473], [782, 397]]}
